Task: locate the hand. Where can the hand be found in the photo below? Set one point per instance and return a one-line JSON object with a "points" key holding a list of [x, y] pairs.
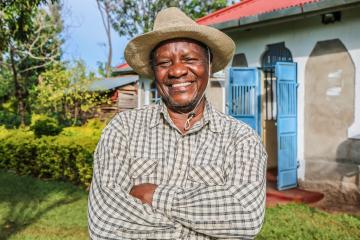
{"points": [[144, 192]]}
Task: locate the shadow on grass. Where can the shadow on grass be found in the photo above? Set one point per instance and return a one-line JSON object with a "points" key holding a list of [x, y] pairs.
{"points": [[24, 200]]}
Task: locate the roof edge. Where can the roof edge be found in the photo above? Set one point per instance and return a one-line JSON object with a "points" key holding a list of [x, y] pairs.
{"points": [[221, 11], [294, 12]]}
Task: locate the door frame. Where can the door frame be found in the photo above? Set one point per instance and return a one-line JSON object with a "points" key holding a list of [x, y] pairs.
{"points": [[257, 74], [260, 105]]}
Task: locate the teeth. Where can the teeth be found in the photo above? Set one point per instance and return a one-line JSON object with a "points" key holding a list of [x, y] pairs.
{"points": [[181, 84]]}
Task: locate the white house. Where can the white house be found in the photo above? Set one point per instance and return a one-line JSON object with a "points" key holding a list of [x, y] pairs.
{"points": [[296, 79]]}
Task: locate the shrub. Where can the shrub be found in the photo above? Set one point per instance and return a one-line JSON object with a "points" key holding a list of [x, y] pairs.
{"points": [[45, 126], [95, 124], [59, 157], [9, 119]]}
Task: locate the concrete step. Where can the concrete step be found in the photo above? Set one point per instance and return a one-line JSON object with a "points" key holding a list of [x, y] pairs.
{"points": [[274, 197]]}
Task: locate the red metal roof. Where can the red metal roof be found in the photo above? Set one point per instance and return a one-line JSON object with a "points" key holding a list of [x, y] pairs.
{"points": [[122, 66], [247, 8]]}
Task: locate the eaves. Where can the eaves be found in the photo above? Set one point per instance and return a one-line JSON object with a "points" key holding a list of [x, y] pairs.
{"points": [[287, 14]]}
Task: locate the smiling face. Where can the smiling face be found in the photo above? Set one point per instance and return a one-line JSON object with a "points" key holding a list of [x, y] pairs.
{"points": [[181, 70]]}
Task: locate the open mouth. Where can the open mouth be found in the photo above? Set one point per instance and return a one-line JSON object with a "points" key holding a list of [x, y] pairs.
{"points": [[177, 85]]}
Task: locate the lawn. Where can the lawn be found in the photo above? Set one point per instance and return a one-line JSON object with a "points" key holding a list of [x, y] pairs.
{"points": [[38, 209]]}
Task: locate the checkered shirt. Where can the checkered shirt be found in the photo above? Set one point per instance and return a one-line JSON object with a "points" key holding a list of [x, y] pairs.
{"points": [[211, 180]]}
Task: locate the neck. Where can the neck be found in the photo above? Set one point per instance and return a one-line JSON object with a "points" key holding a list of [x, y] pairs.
{"points": [[184, 121], [174, 113]]}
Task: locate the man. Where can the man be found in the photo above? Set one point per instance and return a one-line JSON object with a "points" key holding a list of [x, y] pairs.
{"points": [[179, 169]]}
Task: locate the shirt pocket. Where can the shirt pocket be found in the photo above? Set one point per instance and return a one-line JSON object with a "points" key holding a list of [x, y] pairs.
{"points": [[209, 174], [142, 168]]}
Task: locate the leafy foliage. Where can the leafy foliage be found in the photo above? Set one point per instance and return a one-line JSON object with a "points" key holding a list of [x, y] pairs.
{"points": [[17, 20], [67, 156], [6, 85], [29, 44], [9, 119], [9, 116], [130, 17], [43, 125], [63, 93]]}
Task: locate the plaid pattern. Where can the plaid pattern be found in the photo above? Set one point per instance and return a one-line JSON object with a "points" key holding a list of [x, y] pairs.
{"points": [[211, 181]]}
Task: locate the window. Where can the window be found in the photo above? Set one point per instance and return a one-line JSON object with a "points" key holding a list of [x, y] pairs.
{"points": [[274, 53], [239, 60]]}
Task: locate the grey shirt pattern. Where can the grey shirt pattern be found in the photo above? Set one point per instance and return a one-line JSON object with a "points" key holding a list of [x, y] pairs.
{"points": [[211, 180]]}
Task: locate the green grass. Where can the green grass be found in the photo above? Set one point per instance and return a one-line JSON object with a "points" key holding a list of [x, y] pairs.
{"points": [[37, 209], [296, 221]]}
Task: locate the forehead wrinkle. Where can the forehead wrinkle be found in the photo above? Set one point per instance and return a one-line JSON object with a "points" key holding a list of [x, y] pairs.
{"points": [[179, 44], [175, 49]]}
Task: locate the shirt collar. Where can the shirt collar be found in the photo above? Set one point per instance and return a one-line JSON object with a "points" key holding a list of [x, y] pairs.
{"points": [[211, 116]]}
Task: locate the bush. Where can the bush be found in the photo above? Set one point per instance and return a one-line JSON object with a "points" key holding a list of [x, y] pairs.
{"points": [[53, 157], [95, 124], [45, 126], [9, 119]]}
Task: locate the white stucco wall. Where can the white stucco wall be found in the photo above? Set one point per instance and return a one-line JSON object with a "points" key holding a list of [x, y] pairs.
{"points": [[144, 91], [300, 38], [216, 93], [140, 93]]}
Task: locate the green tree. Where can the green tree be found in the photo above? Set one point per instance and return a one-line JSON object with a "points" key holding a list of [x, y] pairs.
{"points": [[63, 93], [104, 9], [130, 17], [29, 43], [6, 86], [17, 20]]}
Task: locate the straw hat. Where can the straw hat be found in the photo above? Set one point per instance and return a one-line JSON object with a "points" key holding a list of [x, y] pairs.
{"points": [[172, 23]]}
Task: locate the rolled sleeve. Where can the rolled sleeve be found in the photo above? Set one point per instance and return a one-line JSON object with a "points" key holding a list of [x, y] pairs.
{"points": [[163, 199], [112, 212], [233, 210]]}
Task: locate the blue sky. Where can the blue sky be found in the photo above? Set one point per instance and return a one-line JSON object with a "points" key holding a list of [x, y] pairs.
{"points": [[85, 35]]}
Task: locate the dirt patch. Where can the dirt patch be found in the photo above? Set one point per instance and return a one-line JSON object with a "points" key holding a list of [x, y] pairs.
{"points": [[338, 197]]}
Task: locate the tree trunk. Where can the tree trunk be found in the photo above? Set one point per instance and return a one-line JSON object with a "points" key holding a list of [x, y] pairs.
{"points": [[18, 90], [105, 17], [76, 112], [108, 33]]}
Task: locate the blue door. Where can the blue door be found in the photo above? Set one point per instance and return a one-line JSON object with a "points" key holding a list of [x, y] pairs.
{"points": [[286, 91], [244, 96]]}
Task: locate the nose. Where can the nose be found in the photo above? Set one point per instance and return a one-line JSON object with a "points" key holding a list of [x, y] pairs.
{"points": [[177, 70]]}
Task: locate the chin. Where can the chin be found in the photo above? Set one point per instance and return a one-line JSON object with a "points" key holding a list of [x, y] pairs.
{"points": [[182, 99], [184, 105]]}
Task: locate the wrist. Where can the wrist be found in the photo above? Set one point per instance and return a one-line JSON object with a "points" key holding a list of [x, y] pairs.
{"points": [[163, 198]]}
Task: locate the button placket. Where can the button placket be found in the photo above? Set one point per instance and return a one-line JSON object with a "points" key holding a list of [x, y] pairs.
{"points": [[180, 162]]}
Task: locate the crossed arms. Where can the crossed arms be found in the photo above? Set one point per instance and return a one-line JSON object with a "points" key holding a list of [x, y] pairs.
{"points": [[120, 210]]}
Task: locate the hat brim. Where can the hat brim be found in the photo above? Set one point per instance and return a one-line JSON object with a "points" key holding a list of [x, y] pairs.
{"points": [[137, 52]]}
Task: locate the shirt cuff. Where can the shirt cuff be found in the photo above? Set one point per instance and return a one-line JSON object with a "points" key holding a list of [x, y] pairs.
{"points": [[163, 199]]}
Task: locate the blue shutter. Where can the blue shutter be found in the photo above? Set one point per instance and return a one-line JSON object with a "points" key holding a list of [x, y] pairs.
{"points": [[244, 96], [286, 90]]}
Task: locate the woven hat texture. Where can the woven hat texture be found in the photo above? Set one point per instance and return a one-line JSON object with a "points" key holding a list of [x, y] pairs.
{"points": [[172, 23]]}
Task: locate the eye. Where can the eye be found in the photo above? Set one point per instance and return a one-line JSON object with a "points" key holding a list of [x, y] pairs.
{"points": [[163, 64], [191, 60]]}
